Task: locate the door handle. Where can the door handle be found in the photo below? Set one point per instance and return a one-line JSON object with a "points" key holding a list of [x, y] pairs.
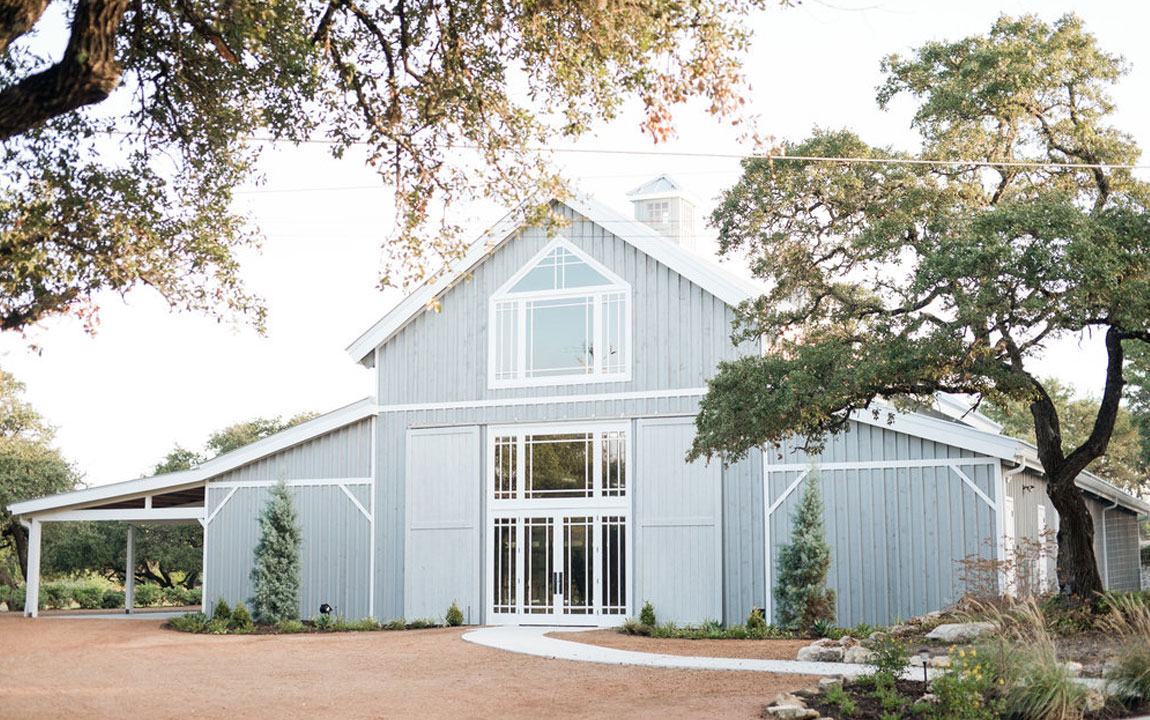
{"points": [[557, 579]]}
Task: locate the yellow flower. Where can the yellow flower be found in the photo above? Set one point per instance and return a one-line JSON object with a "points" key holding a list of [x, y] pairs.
{"points": [[1001, 681], [973, 652], [962, 653]]}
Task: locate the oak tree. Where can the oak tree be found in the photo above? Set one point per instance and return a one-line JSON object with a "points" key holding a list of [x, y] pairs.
{"points": [[122, 145], [894, 280]]}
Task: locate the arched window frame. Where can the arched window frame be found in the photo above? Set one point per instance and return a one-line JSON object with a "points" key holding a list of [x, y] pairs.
{"points": [[511, 313]]}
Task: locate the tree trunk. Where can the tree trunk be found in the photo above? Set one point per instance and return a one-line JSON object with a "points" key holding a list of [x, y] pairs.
{"points": [[19, 535], [1077, 565]]}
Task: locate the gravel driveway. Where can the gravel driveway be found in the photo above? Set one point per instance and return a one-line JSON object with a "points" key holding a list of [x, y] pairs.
{"points": [[95, 668]]}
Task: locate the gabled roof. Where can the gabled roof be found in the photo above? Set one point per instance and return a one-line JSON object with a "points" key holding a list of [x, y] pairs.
{"points": [[201, 473], [705, 273]]}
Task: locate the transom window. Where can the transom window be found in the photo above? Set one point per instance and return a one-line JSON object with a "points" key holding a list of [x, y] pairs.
{"points": [[563, 318], [539, 466]]}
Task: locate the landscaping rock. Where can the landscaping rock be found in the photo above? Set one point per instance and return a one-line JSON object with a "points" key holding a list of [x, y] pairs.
{"points": [[829, 682], [927, 698], [1095, 700], [960, 632], [847, 641], [857, 655], [940, 661], [825, 642], [876, 635], [815, 653], [791, 707], [1073, 669], [897, 630]]}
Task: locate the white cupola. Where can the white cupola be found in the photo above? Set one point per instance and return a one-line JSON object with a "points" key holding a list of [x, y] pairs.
{"points": [[663, 205]]}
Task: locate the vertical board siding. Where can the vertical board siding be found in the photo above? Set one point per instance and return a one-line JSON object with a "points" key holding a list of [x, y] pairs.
{"points": [[342, 453], [678, 525], [743, 570], [334, 553], [679, 331], [896, 534]]}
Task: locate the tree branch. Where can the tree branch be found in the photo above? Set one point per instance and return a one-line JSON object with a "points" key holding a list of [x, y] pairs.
{"points": [[17, 17], [86, 74]]}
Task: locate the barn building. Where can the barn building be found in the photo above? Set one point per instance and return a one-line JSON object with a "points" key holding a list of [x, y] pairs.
{"points": [[523, 457]]}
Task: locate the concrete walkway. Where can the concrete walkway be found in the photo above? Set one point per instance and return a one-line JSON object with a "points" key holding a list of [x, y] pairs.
{"points": [[534, 641]]}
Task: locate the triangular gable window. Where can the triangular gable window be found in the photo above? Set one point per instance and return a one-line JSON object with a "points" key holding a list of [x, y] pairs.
{"points": [[559, 269], [562, 319]]}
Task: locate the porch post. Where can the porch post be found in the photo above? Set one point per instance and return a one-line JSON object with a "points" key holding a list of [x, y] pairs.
{"points": [[32, 581], [130, 571]]}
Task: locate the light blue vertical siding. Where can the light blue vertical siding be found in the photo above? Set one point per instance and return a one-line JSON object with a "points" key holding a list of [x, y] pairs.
{"points": [[336, 534], [897, 535]]}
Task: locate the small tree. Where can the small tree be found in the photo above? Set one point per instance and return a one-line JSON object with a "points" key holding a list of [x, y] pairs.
{"points": [[801, 595], [276, 575]]}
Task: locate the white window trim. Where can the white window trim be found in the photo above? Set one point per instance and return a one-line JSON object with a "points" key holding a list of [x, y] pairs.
{"points": [[596, 293]]}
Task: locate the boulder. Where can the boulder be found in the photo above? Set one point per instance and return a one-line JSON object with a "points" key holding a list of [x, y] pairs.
{"points": [[784, 698], [960, 632], [814, 653], [857, 655], [825, 642], [829, 682], [1073, 669], [847, 641], [897, 630], [876, 635], [927, 698]]}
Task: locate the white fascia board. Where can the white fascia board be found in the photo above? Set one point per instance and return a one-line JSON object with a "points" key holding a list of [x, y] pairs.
{"points": [[954, 406], [941, 431], [200, 474], [106, 493], [724, 285]]}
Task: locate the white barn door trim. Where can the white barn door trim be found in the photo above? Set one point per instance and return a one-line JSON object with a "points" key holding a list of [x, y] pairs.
{"points": [[444, 532]]}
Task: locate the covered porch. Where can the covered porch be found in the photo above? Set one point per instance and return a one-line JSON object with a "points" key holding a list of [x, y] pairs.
{"points": [[176, 498]]}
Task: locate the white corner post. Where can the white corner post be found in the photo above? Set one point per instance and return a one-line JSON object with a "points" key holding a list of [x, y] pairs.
{"points": [[130, 571], [32, 581]]}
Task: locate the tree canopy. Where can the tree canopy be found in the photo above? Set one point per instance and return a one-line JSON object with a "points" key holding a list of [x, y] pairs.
{"points": [[123, 144], [895, 280], [30, 466]]}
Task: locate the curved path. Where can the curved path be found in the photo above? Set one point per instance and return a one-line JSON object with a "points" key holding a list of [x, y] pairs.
{"points": [[534, 641]]}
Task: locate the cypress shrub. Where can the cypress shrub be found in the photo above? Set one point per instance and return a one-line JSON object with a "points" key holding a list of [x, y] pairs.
{"points": [[276, 575], [222, 611], [454, 617], [801, 595]]}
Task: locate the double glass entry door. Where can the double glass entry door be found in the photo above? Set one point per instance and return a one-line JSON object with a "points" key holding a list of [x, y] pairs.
{"points": [[560, 568], [558, 509]]}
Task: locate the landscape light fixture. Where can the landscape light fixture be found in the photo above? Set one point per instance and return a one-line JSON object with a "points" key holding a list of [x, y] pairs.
{"points": [[325, 609], [924, 656]]}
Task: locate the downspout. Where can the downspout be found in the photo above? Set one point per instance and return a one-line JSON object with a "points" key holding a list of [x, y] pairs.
{"points": [[1106, 549]]}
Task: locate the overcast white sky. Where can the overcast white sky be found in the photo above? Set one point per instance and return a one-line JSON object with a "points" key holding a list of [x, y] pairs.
{"points": [[151, 378]]}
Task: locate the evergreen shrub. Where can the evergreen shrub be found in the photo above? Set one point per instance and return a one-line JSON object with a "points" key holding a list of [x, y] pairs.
{"points": [[801, 595], [454, 617], [276, 575]]}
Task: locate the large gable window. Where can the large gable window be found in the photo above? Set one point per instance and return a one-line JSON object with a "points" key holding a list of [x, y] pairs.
{"points": [[563, 318]]}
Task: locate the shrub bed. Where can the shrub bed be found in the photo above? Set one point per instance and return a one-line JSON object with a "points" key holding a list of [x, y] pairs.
{"points": [[238, 621]]}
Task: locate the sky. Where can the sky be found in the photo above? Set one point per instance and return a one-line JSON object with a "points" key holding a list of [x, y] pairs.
{"points": [[151, 378]]}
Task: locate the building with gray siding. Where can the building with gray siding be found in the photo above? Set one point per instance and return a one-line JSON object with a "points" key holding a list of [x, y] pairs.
{"points": [[523, 457]]}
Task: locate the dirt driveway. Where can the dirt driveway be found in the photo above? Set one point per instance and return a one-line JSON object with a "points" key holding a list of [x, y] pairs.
{"points": [[57, 668]]}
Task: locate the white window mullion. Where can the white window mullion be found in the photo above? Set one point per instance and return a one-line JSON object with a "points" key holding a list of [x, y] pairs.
{"points": [[599, 347], [521, 341]]}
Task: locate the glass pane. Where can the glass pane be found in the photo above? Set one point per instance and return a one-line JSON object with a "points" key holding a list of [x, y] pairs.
{"points": [[505, 565], [580, 274], [559, 337], [540, 588], [540, 277], [506, 337], [578, 570], [614, 469], [614, 358], [505, 467], [559, 465], [614, 549]]}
